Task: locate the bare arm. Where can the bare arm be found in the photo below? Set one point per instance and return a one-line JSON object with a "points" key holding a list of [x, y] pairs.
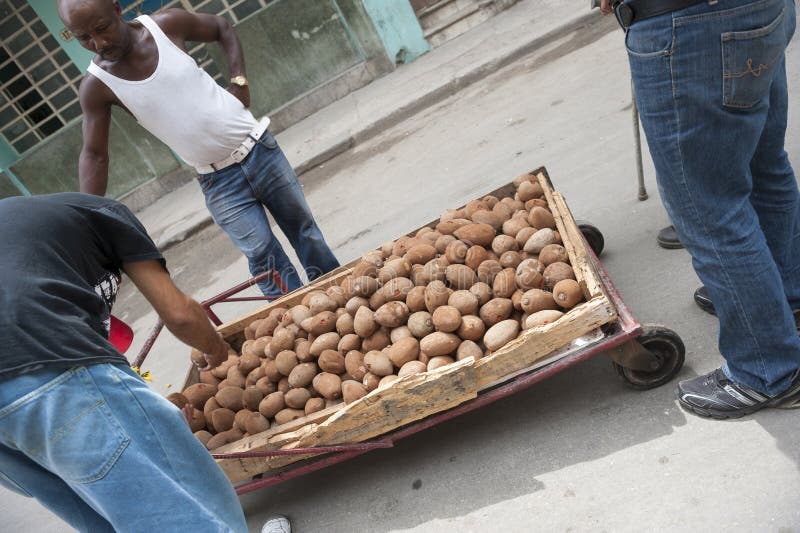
{"points": [[182, 26], [93, 161], [184, 317]]}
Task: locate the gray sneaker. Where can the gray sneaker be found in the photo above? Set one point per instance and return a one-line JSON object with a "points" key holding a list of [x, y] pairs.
{"points": [[277, 524]]}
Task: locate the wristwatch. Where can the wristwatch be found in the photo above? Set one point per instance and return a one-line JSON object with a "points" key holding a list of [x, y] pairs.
{"points": [[241, 81]]}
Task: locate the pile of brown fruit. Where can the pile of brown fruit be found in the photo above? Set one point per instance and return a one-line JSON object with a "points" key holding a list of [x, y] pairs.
{"points": [[463, 288]]}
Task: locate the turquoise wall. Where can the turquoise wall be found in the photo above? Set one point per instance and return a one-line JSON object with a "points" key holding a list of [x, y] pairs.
{"points": [[398, 28]]}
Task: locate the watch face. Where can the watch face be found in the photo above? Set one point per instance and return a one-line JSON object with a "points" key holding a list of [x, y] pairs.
{"points": [[241, 81]]}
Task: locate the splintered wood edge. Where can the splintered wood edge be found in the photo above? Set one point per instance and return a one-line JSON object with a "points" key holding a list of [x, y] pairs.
{"points": [[573, 242], [262, 441], [406, 400], [538, 342]]}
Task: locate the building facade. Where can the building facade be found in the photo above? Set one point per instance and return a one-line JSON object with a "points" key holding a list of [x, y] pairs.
{"points": [[300, 54]]}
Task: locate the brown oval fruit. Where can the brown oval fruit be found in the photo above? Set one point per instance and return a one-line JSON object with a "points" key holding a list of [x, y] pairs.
{"points": [[500, 334], [504, 283], [446, 318], [460, 276], [378, 363], [496, 310], [541, 218], [439, 343], [482, 291], [556, 272], [353, 391], [302, 374], [541, 318], [567, 293], [480, 234], [456, 252], [297, 398], [403, 351], [354, 364], [412, 367], [436, 294], [468, 348], [328, 385], [392, 314], [536, 300], [553, 253]]}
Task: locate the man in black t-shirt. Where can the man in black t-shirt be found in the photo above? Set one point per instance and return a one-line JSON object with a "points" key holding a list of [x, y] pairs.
{"points": [[79, 430]]}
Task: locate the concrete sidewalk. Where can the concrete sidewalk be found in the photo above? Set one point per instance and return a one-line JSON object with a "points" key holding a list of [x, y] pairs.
{"points": [[528, 26]]}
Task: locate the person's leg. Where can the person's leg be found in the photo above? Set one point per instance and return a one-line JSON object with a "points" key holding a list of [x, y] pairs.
{"points": [[775, 194], [702, 138], [275, 184], [22, 475], [234, 207], [124, 450]]}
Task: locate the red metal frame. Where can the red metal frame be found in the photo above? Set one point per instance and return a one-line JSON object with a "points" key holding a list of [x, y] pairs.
{"points": [[222, 297], [625, 329]]}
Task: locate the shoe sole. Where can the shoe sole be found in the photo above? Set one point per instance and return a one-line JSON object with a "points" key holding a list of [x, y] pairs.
{"points": [[669, 245], [719, 415]]}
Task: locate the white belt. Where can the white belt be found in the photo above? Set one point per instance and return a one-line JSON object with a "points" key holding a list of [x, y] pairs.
{"points": [[241, 151]]}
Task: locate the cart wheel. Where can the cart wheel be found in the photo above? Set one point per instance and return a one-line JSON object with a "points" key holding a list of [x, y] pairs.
{"points": [[668, 348], [593, 236]]}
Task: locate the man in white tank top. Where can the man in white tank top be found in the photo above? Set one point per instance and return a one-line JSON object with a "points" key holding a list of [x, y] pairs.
{"points": [[142, 67]]}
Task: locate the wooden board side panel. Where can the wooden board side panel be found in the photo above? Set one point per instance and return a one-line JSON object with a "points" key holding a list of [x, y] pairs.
{"points": [[408, 399], [538, 342], [405, 401]]}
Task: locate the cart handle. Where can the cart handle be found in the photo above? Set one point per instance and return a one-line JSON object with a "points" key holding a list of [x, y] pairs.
{"points": [[342, 448], [206, 304]]}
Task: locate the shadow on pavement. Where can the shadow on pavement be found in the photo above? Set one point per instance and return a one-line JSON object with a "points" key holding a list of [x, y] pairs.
{"points": [[483, 458]]}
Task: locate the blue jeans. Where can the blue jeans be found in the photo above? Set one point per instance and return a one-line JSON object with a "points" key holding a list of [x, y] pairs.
{"points": [[105, 453], [236, 197], [710, 84]]}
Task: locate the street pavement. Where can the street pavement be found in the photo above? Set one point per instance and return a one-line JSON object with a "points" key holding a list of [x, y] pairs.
{"points": [[579, 451]]}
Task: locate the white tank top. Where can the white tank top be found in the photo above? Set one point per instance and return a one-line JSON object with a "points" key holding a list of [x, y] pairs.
{"points": [[182, 105]]}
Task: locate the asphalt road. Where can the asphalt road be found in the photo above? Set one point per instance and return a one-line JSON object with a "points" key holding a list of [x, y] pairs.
{"points": [[580, 451]]}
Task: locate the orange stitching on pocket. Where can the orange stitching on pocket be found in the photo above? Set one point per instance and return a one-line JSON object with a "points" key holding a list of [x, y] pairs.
{"points": [[756, 72]]}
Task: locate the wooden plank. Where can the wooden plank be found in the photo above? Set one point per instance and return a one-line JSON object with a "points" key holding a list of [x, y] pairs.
{"points": [[242, 469], [260, 441], [408, 399], [538, 342], [580, 260]]}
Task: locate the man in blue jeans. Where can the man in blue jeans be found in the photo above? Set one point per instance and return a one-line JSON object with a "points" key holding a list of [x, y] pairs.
{"points": [[142, 67], [79, 430], [710, 83]]}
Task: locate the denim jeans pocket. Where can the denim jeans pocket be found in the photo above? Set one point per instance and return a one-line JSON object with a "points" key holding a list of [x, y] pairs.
{"points": [[650, 38], [67, 427], [268, 140], [748, 58]]}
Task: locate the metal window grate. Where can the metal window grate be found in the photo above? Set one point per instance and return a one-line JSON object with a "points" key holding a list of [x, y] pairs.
{"points": [[233, 10], [38, 82]]}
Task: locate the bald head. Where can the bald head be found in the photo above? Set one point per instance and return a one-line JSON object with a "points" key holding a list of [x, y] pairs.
{"points": [[67, 9], [97, 26]]}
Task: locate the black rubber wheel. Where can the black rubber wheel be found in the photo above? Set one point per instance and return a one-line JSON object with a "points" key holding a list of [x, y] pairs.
{"points": [[667, 346], [593, 236]]}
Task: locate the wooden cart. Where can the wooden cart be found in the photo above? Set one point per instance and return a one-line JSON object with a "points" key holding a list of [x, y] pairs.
{"points": [[643, 357]]}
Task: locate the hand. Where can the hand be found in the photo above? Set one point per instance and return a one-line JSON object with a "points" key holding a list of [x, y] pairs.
{"points": [[219, 356], [605, 7], [242, 93], [188, 413]]}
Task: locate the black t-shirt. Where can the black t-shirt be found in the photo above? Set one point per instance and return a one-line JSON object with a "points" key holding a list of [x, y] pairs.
{"points": [[60, 261]]}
